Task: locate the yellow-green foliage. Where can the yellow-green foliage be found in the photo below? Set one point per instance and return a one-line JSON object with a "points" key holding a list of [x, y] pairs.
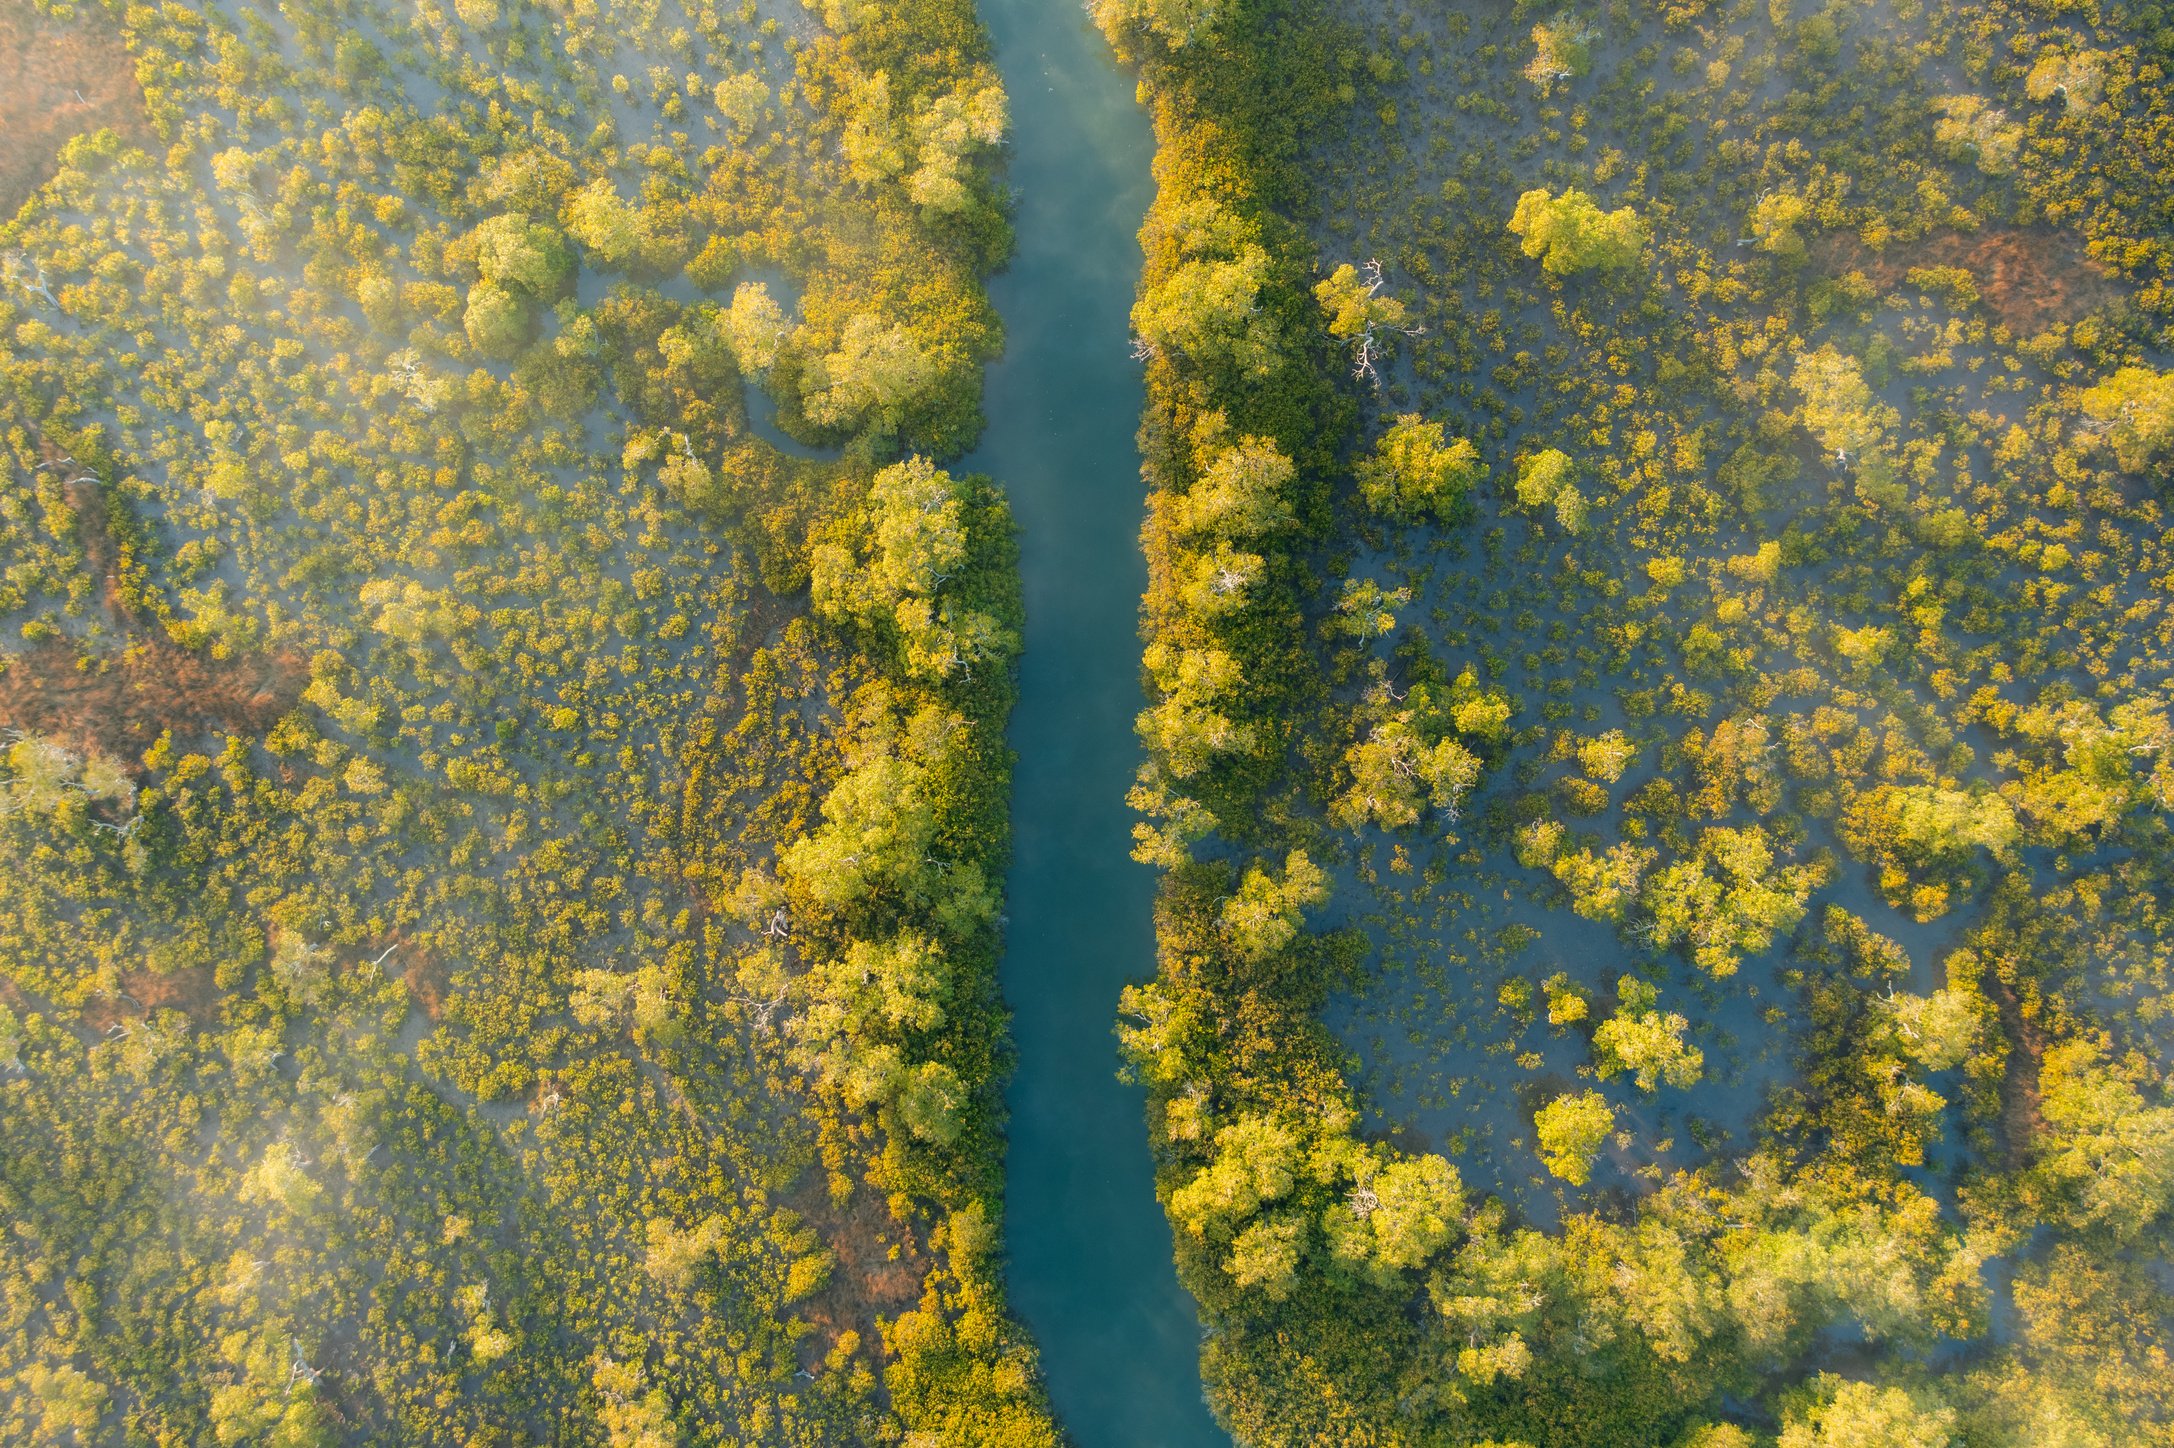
{"points": [[470, 1039], [1802, 677]]}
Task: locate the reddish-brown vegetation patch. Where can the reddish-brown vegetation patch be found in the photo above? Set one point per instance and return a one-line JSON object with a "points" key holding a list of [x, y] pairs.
{"points": [[119, 704], [2028, 278], [2020, 1122], [426, 978], [144, 993], [57, 81], [866, 1281], [101, 558]]}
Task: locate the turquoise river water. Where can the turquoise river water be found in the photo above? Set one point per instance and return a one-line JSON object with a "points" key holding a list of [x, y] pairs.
{"points": [[1090, 1269]]}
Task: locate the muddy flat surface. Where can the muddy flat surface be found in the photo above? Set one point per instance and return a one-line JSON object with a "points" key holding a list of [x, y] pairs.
{"points": [[58, 80]]}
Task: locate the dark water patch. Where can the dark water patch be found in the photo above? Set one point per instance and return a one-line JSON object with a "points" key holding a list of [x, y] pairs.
{"points": [[1452, 1042], [1089, 1249]]}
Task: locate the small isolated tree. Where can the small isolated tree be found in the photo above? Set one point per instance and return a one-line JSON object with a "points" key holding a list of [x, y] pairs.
{"points": [[1561, 51], [1641, 1039], [1414, 471], [1359, 314], [1566, 1001], [1570, 233], [1569, 1131], [1549, 479], [2134, 411]]}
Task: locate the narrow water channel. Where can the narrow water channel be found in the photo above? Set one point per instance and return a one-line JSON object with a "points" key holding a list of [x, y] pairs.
{"points": [[1090, 1268]]}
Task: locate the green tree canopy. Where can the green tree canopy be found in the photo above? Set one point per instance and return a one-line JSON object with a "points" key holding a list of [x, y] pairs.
{"points": [[1413, 472], [2134, 412], [1645, 1041], [1569, 1131], [1569, 233], [1835, 1412]]}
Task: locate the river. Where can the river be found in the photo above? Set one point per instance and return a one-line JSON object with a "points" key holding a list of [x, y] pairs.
{"points": [[1090, 1270]]}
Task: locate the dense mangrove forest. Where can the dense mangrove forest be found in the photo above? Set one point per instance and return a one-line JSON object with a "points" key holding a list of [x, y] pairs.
{"points": [[505, 804], [1585, 854], [1660, 748]]}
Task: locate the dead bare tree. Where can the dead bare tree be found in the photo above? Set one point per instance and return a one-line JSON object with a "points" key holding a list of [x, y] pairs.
{"points": [[764, 1010], [1367, 347], [298, 1369], [27, 274]]}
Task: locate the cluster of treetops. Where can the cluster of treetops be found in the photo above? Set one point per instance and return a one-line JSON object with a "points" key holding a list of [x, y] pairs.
{"points": [[553, 998], [1876, 571]]}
